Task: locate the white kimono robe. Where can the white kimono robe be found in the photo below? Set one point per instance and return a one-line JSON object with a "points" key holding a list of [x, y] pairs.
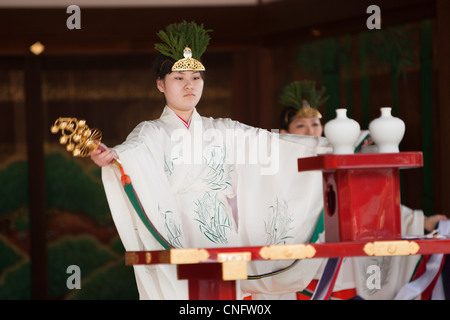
{"points": [[218, 183]]}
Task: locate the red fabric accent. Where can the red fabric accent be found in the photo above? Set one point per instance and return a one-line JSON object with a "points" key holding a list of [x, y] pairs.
{"points": [[125, 179], [421, 268], [186, 124], [346, 294], [301, 296]]}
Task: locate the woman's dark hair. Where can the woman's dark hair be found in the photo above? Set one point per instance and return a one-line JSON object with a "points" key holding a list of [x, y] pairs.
{"points": [[162, 66], [286, 117]]}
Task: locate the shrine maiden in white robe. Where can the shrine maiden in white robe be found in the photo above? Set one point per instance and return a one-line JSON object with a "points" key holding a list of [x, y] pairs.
{"points": [[217, 183]]}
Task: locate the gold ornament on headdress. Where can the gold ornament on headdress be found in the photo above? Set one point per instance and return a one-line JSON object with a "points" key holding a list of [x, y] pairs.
{"points": [[306, 111], [304, 97], [78, 137], [185, 43], [188, 63]]}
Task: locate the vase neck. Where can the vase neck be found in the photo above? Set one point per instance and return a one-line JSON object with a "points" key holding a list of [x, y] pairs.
{"points": [[341, 113], [386, 111]]}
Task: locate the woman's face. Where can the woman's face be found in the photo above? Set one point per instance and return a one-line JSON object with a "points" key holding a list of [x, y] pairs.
{"points": [[306, 126], [182, 90]]}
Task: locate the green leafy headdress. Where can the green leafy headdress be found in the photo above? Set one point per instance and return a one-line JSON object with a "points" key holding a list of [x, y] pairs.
{"points": [[184, 42], [303, 96]]}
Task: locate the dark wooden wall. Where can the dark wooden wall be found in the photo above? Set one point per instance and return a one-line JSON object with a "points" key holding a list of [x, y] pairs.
{"points": [[250, 34], [251, 46]]}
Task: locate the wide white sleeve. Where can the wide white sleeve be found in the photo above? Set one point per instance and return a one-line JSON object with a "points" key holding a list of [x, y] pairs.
{"points": [[412, 221], [153, 281]]}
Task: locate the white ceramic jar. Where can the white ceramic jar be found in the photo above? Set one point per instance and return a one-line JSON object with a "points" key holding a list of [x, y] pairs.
{"points": [[387, 131], [342, 132]]}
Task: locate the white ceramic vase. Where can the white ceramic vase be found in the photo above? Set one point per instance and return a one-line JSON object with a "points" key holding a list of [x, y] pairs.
{"points": [[387, 131], [342, 132]]}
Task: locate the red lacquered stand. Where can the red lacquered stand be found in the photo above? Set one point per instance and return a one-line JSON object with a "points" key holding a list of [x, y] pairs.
{"points": [[212, 278], [362, 219], [362, 193]]}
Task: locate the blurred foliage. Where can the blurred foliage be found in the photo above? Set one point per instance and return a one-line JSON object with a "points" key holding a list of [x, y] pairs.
{"points": [[73, 187], [70, 188], [14, 187]]}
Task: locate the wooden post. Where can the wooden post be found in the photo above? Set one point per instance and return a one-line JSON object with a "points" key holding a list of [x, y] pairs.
{"points": [[35, 122], [245, 88], [253, 86], [267, 115]]}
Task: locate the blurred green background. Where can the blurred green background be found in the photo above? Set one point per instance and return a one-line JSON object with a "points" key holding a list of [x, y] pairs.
{"points": [[79, 231]]}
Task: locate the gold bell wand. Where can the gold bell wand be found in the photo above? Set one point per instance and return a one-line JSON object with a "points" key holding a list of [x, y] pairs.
{"points": [[77, 136]]}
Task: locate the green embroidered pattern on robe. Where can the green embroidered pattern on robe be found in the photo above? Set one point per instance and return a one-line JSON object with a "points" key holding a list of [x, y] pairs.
{"points": [[218, 172], [168, 166], [173, 230], [279, 223], [212, 218]]}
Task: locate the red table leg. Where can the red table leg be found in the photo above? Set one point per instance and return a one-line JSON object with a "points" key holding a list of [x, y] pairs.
{"points": [[205, 282]]}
